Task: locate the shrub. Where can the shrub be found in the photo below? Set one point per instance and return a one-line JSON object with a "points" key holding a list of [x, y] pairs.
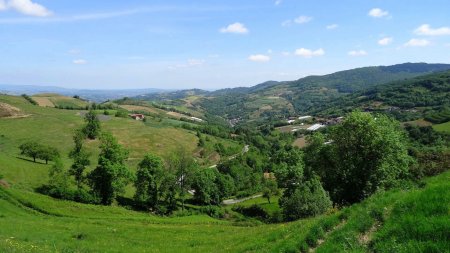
{"points": [[254, 211], [213, 211], [309, 199]]}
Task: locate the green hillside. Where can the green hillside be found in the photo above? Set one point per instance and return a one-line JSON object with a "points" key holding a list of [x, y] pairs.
{"points": [[279, 100], [414, 220], [160, 136], [422, 97]]}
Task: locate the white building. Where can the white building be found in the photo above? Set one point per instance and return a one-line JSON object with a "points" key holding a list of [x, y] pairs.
{"points": [[315, 127]]}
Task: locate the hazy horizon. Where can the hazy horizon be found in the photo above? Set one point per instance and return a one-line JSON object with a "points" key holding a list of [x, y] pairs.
{"points": [[210, 44]]}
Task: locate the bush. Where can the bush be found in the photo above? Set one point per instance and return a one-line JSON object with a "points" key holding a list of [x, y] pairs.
{"points": [[309, 199], [213, 211], [254, 211]]}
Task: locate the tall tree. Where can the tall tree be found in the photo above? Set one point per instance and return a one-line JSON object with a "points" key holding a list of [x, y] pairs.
{"points": [[111, 174], [92, 128], [80, 158], [182, 165], [367, 153], [149, 179]]}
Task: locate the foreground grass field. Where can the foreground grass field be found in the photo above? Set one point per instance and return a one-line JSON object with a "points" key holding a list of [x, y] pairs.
{"points": [[414, 220]]}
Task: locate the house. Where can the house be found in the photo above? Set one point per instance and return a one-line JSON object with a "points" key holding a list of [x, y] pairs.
{"points": [[137, 116], [315, 127], [290, 121], [196, 119], [304, 117]]}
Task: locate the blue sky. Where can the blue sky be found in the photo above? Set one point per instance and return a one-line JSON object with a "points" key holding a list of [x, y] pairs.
{"points": [[211, 44]]}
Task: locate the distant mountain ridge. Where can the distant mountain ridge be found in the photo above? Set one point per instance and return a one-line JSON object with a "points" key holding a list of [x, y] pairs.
{"points": [[276, 100], [96, 95]]}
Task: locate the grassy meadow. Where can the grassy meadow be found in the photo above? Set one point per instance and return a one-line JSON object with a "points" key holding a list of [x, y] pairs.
{"points": [[411, 219]]}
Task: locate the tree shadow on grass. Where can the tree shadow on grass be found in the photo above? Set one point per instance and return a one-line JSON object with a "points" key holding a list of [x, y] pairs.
{"points": [[30, 160]]}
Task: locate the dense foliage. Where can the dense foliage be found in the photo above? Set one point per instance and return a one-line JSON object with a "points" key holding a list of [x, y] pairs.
{"points": [[111, 174]]}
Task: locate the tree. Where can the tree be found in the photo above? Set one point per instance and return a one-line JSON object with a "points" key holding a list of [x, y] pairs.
{"points": [[92, 128], [149, 179], [80, 158], [211, 186], [111, 174], [35, 150], [30, 149], [182, 165], [367, 154], [308, 199], [48, 153], [270, 189], [58, 182]]}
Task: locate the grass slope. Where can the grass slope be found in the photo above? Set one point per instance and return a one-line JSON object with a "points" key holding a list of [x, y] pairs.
{"points": [[414, 220]]}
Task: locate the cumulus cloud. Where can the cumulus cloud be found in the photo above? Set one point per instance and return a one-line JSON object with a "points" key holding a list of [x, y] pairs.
{"points": [[417, 43], [332, 26], [385, 41], [26, 7], [79, 61], [303, 19], [426, 30], [308, 53], [357, 53], [259, 58], [378, 13], [235, 28]]}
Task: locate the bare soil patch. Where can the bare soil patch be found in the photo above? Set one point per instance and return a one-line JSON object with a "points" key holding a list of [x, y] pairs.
{"points": [[9, 111]]}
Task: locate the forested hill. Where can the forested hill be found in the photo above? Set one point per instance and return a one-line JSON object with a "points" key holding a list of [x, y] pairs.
{"points": [[425, 96], [278, 100]]}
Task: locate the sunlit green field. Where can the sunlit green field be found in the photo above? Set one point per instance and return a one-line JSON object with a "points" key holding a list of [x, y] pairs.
{"points": [[444, 127], [415, 219]]}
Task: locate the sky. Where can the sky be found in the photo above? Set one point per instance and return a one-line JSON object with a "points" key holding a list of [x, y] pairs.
{"points": [[211, 44]]}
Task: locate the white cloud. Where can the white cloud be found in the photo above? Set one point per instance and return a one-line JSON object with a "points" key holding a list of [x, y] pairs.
{"points": [[79, 61], [299, 20], [303, 19], [269, 51], [332, 26], [259, 58], [426, 30], [278, 2], [357, 53], [308, 53], [378, 13], [26, 7], [385, 41], [2, 5], [417, 43], [285, 53], [235, 28]]}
